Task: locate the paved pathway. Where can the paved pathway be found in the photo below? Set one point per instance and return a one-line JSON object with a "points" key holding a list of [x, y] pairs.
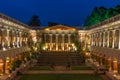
{"points": [[62, 72], [104, 77]]}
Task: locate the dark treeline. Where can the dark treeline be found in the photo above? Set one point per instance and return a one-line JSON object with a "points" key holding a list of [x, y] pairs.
{"points": [[34, 21], [99, 14]]}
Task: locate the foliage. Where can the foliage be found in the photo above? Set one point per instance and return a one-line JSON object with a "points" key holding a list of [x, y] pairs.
{"points": [[28, 55], [52, 23], [34, 22], [99, 14], [77, 43], [107, 64], [15, 64]]}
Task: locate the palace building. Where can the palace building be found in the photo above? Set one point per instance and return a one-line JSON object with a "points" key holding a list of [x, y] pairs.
{"points": [[59, 38], [18, 41]]}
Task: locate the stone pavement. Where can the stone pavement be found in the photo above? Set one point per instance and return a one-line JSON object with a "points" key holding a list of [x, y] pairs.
{"points": [[4, 77], [61, 72], [104, 77]]}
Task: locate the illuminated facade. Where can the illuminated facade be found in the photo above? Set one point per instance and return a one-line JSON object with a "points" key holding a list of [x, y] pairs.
{"points": [[102, 40], [59, 38], [13, 42]]}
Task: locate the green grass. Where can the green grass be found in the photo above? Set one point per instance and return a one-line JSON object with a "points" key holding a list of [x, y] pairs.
{"points": [[60, 77], [81, 68], [40, 68]]}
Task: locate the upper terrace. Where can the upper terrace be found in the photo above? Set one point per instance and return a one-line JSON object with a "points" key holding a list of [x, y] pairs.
{"points": [[107, 21]]}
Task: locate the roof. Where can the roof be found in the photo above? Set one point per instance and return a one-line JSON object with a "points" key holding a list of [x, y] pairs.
{"points": [[59, 27]]}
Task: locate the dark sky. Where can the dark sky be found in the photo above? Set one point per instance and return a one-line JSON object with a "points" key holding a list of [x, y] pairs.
{"points": [[69, 12]]}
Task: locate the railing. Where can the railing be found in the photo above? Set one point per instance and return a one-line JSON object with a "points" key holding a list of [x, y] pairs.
{"points": [[12, 51], [107, 21], [107, 51]]}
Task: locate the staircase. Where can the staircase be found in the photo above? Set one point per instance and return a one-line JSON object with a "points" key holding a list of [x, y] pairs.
{"points": [[60, 59]]}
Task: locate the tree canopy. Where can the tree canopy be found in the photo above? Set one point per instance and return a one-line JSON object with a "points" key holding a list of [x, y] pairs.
{"points": [[100, 14], [34, 22], [52, 23]]}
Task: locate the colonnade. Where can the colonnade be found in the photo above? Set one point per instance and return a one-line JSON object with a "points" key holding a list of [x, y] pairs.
{"points": [[59, 42], [12, 38], [106, 38]]}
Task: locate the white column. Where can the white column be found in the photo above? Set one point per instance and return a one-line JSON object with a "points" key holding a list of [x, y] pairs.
{"points": [[95, 44], [3, 38], [108, 33], [91, 40], [25, 38], [113, 36], [20, 38], [95, 39], [69, 38], [63, 41], [100, 41], [50, 42], [119, 39], [56, 41], [7, 39], [51, 38], [103, 39], [13, 42]]}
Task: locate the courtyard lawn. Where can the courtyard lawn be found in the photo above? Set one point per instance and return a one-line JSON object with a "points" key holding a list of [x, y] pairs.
{"points": [[61, 77], [40, 68], [81, 68]]}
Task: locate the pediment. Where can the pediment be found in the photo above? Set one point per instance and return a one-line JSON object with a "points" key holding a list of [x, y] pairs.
{"points": [[60, 27]]}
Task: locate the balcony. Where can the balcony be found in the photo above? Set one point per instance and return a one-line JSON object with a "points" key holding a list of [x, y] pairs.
{"points": [[13, 51], [109, 52]]}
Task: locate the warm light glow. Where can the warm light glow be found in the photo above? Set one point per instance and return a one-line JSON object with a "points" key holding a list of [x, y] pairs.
{"points": [[35, 48], [44, 48], [69, 48], [1, 64], [97, 65], [114, 75], [34, 39], [58, 29], [75, 49], [9, 75], [73, 29], [4, 49], [8, 59], [87, 54], [47, 29], [24, 65], [56, 48]]}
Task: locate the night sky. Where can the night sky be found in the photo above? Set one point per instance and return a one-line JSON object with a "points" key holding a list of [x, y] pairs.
{"points": [[69, 12]]}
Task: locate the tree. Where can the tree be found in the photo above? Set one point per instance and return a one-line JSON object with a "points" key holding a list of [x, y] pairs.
{"points": [[35, 22], [52, 23], [100, 14]]}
